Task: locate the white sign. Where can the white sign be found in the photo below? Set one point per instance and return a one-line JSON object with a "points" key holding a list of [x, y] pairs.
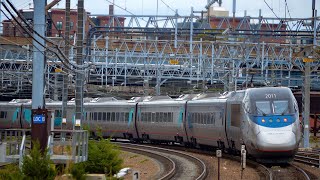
{"points": [[135, 175], [219, 153]]}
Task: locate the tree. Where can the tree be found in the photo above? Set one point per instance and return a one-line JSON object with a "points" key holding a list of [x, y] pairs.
{"points": [[37, 165]]}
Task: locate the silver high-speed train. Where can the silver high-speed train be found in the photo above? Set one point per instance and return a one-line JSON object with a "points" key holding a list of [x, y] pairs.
{"points": [[266, 120]]}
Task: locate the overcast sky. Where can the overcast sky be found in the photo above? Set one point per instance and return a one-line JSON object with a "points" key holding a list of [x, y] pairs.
{"points": [[297, 8]]}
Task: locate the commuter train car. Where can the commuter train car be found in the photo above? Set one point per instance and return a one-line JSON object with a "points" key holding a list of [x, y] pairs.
{"points": [[111, 117], [263, 119]]}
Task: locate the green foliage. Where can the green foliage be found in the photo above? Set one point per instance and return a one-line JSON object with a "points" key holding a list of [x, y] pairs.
{"points": [[103, 157], [11, 172], [78, 171], [37, 165]]}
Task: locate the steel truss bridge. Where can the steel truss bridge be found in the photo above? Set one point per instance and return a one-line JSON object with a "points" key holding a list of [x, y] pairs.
{"points": [[158, 49]]}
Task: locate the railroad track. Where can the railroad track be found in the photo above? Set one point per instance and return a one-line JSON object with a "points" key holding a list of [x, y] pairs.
{"points": [[182, 165], [289, 171], [308, 157]]}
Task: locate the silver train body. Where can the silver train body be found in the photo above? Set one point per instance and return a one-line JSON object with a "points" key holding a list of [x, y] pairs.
{"points": [[266, 120]]}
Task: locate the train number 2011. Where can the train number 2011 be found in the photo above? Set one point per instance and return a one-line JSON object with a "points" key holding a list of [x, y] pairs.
{"points": [[271, 96]]}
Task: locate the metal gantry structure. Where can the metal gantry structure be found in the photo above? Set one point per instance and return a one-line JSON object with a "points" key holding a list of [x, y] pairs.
{"points": [[172, 48], [147, 48]]}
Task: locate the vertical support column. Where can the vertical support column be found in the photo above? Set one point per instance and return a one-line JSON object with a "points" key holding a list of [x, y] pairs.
{"points": [[1, 25], [106, 67], [65, 76], [158, 74], [79, 60], [212, 62], [262, 60], [38, 55], [191, 42], [39, 131], [306, 106], [176, 30]]}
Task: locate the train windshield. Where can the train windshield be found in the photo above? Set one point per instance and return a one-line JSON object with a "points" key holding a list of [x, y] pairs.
{"points": [[272, 107], [263, 107]]}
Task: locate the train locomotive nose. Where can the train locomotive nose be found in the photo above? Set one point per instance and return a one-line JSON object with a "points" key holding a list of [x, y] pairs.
{"points": [[273, 141]]}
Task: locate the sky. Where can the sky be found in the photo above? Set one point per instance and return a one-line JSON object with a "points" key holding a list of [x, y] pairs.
{"points": [[297, 8]]}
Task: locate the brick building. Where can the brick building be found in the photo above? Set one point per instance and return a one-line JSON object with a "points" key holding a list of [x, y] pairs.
{"points": [[55, 23]]}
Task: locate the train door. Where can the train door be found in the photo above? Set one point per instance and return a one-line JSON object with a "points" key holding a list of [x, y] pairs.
{"points": [[233, 123]]}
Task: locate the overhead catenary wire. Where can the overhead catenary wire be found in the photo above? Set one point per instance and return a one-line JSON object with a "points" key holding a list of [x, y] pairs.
{"points": [[30, 34], [271, 9], [286, 4], [46, 39], [168, 6], [27, 80], [36, 47], [125, 10]]}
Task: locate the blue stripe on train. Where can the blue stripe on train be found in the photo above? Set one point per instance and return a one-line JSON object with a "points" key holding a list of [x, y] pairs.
{"points": [[130, 116]]}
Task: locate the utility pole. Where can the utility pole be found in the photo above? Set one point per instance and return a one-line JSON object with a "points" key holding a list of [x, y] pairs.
{"points": [[65, 76], [1, 17], [307, 82], [80, 72], [39, 113]]}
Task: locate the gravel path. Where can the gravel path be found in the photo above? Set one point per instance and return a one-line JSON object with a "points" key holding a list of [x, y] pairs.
{"points": [[148, 167]]}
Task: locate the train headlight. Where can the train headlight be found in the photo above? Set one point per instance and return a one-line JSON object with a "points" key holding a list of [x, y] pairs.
{"points": [[285, 120], [278, 120], [270, 120], [263, 120]]}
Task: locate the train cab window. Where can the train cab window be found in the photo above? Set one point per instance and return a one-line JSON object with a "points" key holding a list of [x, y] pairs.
{"points": [[263, 107], [3, 114], [281, 107]]}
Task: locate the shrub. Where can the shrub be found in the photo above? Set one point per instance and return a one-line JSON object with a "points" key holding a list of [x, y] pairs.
{"points": [[11, 172], [103, 157], [37, 165], [78, 171]]}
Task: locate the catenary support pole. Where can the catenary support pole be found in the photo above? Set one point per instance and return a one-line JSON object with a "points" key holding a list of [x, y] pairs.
{"points": [[65, 76], [79, 61], [40, 119]]}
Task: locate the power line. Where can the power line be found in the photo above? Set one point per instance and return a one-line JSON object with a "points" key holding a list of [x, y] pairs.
{"points": [[168, 6], [287, 8], [46, 39], [271, 9], [30, 34], [126, 10]]}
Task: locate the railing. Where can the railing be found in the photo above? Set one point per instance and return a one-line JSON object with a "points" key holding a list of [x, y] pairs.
{"points": [[68, 145], [15, 142], [63, 145]]}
